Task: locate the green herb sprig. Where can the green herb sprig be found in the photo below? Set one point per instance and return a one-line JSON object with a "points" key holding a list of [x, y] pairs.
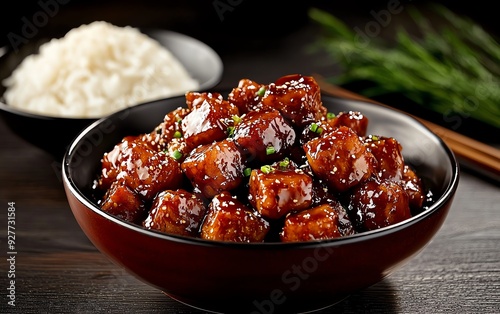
{"points": [[451, 69]]}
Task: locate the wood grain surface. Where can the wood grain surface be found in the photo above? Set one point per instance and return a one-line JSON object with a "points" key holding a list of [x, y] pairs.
{"points": [[59, 271]]}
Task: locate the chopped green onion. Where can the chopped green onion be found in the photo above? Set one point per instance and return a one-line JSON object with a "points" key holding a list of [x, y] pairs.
{"points": [[374, 137], [261, 91], [236, 119], [230, 130], [315, 128], [330, 115], [270, 150], [247, 172], [177, 134], [284, 163], [266, 169], [176, 155]]}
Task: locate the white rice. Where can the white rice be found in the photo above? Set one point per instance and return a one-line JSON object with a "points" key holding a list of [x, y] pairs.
{"points": [[94, 70]]}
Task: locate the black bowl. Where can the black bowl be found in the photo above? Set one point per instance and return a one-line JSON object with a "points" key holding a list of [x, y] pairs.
{"points": [[259, 277], [54, 134]]}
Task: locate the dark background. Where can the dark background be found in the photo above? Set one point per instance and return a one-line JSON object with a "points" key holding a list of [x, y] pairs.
{"points": [[59, 271], [254, 30], [236, 24]]}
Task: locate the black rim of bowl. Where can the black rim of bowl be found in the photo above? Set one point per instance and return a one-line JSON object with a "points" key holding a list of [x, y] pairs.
{"points": [[448, 193]]}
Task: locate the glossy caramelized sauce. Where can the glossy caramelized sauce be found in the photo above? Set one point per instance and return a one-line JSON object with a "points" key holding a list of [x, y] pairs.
{"points": [[266, 163]]}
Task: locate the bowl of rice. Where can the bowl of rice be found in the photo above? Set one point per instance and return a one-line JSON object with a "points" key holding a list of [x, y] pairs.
{"points": [[55, 87]]}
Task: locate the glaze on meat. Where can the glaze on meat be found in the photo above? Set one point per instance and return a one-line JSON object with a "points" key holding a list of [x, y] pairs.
{"points": [[266, 163], [176, 211]]}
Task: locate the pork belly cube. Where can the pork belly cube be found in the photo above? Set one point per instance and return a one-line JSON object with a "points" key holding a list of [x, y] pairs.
{"points": [[375, 204], [297, 97], [228, 219], [122, 202], [340, 159], [196, 99], [275, 192], [264, 135], [322, 222], [353, 119], [176, 212], [215, 167], [414, 187], [111, 162], [168, 129], [209, 119], [387, 151], [246, 95], [143, 169]]}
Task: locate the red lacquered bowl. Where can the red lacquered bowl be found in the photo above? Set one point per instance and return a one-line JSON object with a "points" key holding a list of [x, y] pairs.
{"points": [[240, 277]]}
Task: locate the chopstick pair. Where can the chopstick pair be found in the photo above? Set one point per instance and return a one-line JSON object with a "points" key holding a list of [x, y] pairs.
{"points": [[476, 155]]}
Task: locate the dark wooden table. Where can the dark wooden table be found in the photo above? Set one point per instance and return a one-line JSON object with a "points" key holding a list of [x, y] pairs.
{"points": [[57, 270]]}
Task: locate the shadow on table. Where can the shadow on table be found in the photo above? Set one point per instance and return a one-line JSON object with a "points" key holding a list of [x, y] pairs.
{"points": [[379, 298]]}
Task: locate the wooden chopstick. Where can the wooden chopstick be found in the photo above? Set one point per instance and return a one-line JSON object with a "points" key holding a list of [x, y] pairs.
{"points": [[476, 155]]}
